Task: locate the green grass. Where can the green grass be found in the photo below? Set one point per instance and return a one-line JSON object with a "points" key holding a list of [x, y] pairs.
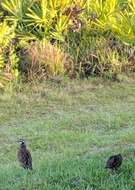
{"points": [[71, 129]]}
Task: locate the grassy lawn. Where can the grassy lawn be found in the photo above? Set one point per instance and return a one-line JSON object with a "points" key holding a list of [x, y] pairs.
{"points": [[71, 129]]}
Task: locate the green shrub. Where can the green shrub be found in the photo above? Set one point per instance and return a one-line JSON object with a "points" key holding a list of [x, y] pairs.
{"points": [[42, 19], [101, 14], [79, 36], [8, 58]]}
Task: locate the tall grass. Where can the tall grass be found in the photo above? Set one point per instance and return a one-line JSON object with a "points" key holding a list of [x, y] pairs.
{"points": [[46, 60]]}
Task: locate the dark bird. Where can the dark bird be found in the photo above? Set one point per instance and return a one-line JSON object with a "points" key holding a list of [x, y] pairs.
{"points": [[24, 156], [114, 162]]}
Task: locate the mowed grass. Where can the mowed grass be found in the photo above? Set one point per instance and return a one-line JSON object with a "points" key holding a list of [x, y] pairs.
{"points": [[71, 129]]}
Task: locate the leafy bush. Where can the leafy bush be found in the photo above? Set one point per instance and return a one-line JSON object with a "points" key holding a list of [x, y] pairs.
{"points": [[92, 37], [42, 19], [101, 13], [8, 58]]}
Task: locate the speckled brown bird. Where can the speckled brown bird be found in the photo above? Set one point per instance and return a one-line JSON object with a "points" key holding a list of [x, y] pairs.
{"points": [[114, 162], [24, 155]]}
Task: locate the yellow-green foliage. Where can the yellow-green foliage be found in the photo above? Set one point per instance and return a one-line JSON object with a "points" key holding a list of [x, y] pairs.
{"points": [[8, 58], [41, 18], [6, 35], [102, 13], [124, 27], [47, 19], [113, 15], [16, 8]]}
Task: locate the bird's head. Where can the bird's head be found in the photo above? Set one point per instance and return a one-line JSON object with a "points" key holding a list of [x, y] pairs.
{"points": [[120, 156], [22, 143]]}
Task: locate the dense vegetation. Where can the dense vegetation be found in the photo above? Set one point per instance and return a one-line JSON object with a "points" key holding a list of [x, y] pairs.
{"points": [[39, 39]]}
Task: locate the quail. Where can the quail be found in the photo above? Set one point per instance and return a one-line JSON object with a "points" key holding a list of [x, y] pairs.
{"points": [[114, 162], [24, 156]]}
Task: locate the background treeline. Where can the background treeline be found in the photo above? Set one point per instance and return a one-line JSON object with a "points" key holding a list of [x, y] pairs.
{"points": [[78, 38]]}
